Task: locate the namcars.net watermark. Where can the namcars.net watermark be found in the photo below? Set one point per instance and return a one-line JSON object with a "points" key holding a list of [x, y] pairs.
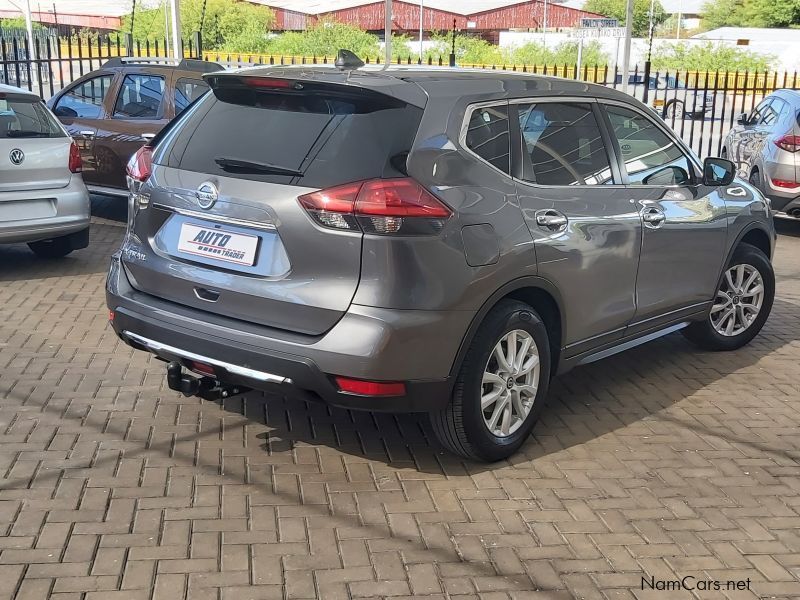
{"points": [[691, 583]]}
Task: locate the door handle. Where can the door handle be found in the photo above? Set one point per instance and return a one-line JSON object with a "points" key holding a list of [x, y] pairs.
{"points": [[148, 136], [86, 134], [653, 217], [551, 219]]}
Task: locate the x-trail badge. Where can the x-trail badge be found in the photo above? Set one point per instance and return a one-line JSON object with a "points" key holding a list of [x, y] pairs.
{"points": [[16, 156], [207, 195]]}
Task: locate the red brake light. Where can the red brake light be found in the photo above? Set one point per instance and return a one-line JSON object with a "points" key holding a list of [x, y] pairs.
{"points": [[785, 183], [75, 162], [788, 142], [370, 388], [141, 164], [383, 206], [398, 198], [269, 82]]}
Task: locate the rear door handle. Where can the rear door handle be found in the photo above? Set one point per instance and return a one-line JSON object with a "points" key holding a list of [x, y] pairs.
{"points": [[653, 217], [86, 134], [551, 219], [148, 136]]}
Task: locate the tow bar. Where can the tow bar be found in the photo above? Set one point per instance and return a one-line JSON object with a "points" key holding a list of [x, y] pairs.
{"points": [[206, 387]]}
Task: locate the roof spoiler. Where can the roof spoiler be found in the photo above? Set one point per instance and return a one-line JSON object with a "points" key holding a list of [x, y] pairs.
{"points": [[188, 64]]}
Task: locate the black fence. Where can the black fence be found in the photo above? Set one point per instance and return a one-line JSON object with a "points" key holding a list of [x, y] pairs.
{"points": [[700, 106]]}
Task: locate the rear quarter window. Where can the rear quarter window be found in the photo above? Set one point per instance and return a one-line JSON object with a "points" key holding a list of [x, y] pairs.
{"points": [[328, 137], [26, 117]]}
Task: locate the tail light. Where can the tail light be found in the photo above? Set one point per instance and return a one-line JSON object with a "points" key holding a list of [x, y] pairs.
{"points": [[380, 206], [788, 142], [784, 183], [75, 162], [141, 164]]}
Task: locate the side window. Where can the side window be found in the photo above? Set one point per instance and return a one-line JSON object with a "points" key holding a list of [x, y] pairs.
{"points": [[564, 144], [651, 156], [487, 136], [139, 97], [85, 100], [187, 91], [775, 112], [758, 112]]}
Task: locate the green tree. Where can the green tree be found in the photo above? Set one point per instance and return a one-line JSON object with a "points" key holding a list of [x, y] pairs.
{"points": [[641, 13], [224, 22], [19, 23], [751, 13], [709, 57]]}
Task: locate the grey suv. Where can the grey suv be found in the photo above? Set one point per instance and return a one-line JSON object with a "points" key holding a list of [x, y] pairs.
{"points": [[428, 240]]}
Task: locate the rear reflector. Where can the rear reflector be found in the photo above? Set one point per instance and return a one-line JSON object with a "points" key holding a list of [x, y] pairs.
{"points": [[75, 162], [785, 183], [788, 142], [383, 206], [141, 164], [201, 368], [370, 388]]}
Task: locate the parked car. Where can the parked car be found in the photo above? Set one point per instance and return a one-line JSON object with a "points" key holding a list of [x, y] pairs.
{"points": [[113, 111], [670, 97], [428, 240], [764, 144], [43, 200]]}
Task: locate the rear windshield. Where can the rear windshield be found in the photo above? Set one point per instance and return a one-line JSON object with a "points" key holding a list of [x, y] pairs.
{"points": [[25, 117], [312, 138]]}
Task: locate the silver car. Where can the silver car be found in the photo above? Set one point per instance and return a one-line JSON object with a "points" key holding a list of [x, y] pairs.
{"points": [[43, 200], [764, 145], [425, 240]]}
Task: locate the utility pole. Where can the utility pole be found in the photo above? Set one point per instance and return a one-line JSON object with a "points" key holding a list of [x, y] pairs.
{"points": [[453, 49], [31, 48], [421, 23], [544, 25], [387, 34], [177, 47], [626, 50], [647, 63]]}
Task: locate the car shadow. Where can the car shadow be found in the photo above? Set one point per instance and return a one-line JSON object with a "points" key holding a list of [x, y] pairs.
{"points": [[787, 226], [590, 402], [19, 263]]}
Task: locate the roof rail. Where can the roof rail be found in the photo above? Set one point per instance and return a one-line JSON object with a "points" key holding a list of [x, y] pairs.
{"points": [[188, 64]]}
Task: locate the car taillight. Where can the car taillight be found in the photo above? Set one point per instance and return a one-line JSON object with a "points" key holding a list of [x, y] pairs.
{"points": [[141, 164], [784, 183], [788, 142], [382, 206], [75, 162]]}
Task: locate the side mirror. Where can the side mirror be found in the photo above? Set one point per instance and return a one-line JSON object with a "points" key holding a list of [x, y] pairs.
{"points": [[718, 171], [742, 119], [65, 112]]}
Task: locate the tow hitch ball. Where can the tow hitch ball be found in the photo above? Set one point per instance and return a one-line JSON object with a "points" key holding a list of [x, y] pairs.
{"points": [[205, 387]]}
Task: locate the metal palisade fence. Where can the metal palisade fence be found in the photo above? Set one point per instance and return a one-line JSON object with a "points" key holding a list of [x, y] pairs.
{"points": [[701, 106]]}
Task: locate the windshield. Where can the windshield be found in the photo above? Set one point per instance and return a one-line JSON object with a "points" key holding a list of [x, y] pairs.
{"points": [[23, 116]]}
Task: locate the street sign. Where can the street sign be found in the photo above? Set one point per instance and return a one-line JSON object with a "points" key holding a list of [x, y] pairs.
{"points": [[599, 23], [598, 32]]}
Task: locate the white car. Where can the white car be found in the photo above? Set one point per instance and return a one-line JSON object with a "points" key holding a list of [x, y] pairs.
{"points": [[43, 200]]}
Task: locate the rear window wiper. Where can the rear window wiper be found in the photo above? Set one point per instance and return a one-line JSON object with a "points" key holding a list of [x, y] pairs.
{"points": [[237, 164], [21, 133]]}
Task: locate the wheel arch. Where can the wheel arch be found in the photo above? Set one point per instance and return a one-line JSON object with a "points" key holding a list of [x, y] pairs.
{"points": [[541, 295]]}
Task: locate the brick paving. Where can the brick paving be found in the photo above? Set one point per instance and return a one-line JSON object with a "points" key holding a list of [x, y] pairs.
{"points": [[664, 461]]}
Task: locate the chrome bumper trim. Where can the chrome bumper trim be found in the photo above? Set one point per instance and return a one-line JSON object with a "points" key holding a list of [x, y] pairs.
{"points": [[157, 347]]}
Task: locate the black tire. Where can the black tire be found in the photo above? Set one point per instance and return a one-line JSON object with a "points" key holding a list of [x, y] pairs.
{"points": [[460, 427], [55, 248], [703, 334]]}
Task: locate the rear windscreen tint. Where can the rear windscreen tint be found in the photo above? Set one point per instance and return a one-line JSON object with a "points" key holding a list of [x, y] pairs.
{"points": [[24, 117], [329, 137]]}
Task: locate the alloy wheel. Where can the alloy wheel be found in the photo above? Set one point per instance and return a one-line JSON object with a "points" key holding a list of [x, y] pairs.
{"points": [[738, 301], [510, 381]]}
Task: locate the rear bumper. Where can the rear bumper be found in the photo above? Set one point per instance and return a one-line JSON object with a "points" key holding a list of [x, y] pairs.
{"points": [[361, 347], [71, 209]]}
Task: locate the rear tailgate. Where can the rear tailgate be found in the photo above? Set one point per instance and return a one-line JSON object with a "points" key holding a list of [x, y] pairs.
{"points": [[34, 149], [249, 152]]}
